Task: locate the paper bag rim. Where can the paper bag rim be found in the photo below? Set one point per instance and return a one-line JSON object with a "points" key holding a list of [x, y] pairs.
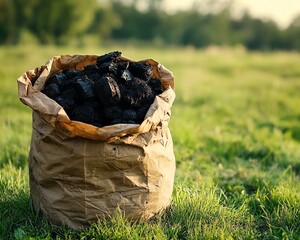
{"points": [[32, 81]]}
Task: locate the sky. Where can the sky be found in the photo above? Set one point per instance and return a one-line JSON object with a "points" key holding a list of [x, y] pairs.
{"points": [[281, 11]]}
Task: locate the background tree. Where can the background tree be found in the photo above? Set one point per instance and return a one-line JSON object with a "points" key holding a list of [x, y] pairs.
{"points": [[14, 15], [208, 22], [105, 21], [136, 24], [59, 20], [7, 21], [292, 34]]}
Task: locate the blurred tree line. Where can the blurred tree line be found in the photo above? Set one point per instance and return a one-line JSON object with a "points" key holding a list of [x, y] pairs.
{"points": [[206, 23]]}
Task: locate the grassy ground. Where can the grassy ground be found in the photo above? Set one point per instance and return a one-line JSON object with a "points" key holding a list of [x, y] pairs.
{"points": [[236, 129]]}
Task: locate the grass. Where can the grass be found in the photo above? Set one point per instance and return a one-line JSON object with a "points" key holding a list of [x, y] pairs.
{"points": [[236, 131]]}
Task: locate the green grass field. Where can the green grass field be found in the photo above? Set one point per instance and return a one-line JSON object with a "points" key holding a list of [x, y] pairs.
{"points": [[236, 131]]}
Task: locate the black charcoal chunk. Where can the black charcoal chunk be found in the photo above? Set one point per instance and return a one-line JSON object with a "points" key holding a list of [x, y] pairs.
{"points": [[141, 70], [112, 56], [98, 109], [70, 83], [96, 105], [129, 115], [136, 93], [131, 122], [141, 113], [67, 104], [72, 73], [98, 124], [92, 68], [52, 90], [109, 75], [62, 80], [113, 112], [107, 91], [116, 121], [57, 78], [156, 86], [126, 75], [108, 67], [68, 99], [85, 88], [94, 77], [85, 113], [123, 65]]}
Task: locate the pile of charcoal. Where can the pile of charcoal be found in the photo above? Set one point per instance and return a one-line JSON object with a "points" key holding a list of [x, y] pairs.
{"points": [[109, 92]]}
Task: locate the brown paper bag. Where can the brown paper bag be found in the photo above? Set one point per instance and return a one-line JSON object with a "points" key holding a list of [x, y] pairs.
{"points": [[80, 173]]}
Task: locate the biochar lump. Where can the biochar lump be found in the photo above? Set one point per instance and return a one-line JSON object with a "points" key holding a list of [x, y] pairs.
{"points": [[136, 93], [111, 91], [107, 91]]}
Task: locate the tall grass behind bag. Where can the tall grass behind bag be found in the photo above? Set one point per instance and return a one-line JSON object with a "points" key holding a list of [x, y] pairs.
{"points": [[79, 172]]}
